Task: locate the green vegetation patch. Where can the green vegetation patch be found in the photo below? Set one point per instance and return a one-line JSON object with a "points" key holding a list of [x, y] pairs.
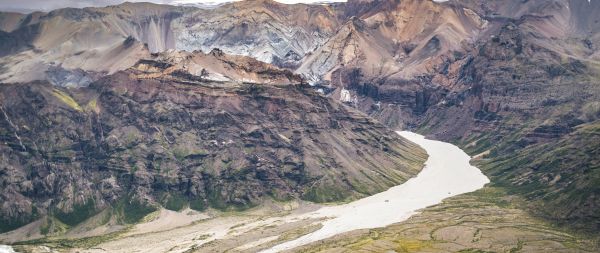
{"points": [[67, 99], [86, 242], [7, 224], [182, 153], [326, 192], [174, 202], [52, 226], [198, 204], [80, 213], [132, 211], [217, 200]]}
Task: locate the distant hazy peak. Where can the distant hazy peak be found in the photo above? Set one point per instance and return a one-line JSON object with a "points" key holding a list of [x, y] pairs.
{"points": [[46, 6]]}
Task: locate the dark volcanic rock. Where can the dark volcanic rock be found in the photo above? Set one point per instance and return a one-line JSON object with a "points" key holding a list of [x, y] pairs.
{"points": [[72, 152], [523, 99]]}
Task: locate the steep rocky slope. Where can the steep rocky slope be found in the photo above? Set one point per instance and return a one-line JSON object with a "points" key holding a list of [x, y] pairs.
{"points": [[158, 134], [524, 100], [383, 38], [513, 82], [214, 66], [394, 39], [527, 102], [115, 37], [266, 30], [53, 45]]}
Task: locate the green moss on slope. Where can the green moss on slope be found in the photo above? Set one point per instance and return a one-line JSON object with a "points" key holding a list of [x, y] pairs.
{"points": [[132, 211], [79, 213]]}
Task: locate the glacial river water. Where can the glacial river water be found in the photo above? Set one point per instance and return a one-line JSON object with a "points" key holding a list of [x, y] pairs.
{"points": [[6, 249], [447, 173]]}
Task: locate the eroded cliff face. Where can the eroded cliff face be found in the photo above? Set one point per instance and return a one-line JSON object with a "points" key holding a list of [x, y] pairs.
{"points": [[113, 38], [96, 40], [394, 40], [154, 135], [265, 30], [383, 38]]}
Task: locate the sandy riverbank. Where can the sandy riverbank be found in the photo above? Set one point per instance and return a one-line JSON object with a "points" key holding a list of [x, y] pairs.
{"points": [[447, 173]]}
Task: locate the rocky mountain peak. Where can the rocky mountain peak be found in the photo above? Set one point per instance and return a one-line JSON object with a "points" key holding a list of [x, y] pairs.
{"points": [[214, 66]]}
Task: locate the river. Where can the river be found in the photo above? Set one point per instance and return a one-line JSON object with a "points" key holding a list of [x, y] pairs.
{"points": [[6, 249], [447, 173]]}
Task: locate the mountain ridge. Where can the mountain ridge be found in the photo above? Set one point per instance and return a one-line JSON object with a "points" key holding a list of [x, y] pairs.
{"points": [[162, 132], [514, 83]]}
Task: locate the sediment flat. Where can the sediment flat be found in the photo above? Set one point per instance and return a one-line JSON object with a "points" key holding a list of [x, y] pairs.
{"points": [[447, 173]]}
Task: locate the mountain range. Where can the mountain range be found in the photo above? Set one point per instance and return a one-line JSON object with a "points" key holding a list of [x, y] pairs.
{"points": [[139, 105]]}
